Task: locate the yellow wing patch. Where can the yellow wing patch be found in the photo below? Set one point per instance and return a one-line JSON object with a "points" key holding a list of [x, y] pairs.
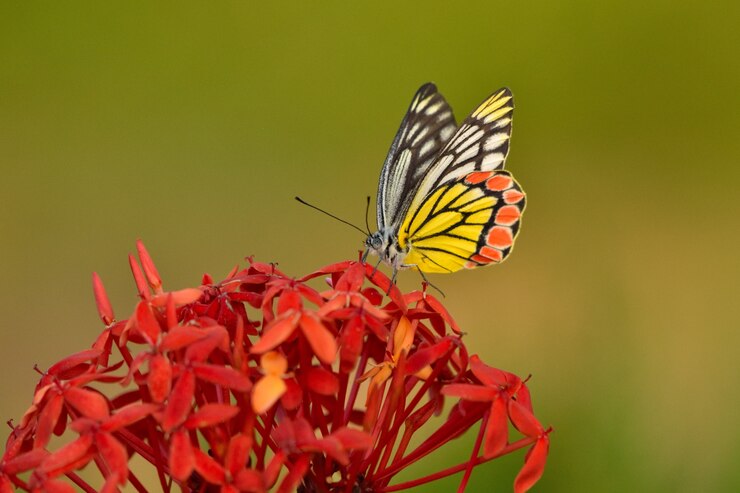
{"points": [[493, 108], [465, 224]]}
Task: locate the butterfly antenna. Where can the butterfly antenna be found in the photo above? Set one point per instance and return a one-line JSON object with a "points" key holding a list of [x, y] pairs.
{"points": [[367, 213], [331, 215]]}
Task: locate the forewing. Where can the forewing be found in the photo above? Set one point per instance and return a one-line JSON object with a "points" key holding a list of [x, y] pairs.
{"points": [[427, 126], [464, 224], [480, 144]]}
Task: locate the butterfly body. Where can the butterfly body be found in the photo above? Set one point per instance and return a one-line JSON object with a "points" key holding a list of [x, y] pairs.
{"points": [[444, 201], [384, 244]]}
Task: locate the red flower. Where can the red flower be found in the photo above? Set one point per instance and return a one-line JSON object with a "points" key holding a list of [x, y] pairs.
{"points": [[254, 383]]}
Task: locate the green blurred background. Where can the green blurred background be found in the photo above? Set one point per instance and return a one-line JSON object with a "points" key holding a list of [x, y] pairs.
{"points": [[193, 125]]}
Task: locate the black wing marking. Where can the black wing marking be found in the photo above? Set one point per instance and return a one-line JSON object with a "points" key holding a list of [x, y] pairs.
{"points": [[426, 127]]}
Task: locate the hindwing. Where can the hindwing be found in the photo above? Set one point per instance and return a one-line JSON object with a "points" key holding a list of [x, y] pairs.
{"points": [[464, 224]]}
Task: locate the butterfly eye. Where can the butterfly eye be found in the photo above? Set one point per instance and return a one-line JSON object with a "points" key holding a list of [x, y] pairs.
{"points": [[373, 241]]}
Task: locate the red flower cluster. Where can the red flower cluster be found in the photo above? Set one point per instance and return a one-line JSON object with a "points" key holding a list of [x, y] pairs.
{"points": [[261, 382]]}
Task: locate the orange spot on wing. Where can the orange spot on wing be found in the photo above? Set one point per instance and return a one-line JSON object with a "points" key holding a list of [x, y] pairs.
{"points": [[499, 182], [500, 237], [513, 196], [507, 215], [492, 254], [478, 177]]}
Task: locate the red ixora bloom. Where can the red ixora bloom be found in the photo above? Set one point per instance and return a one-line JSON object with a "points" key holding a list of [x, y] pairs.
{"points": [[262, 383]]}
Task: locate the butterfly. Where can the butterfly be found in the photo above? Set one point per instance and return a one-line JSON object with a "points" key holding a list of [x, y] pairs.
{"points": [[444, 201]]}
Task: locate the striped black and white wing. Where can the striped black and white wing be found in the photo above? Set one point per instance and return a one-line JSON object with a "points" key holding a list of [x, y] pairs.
{"points": [[480, 144], [425, 129]]}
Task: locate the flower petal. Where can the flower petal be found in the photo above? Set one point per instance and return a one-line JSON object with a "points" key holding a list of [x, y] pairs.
{"points": [[237, 454], [322, 381], [290, 300], [373, 296], [148, 265], [181, 459], [274, 363], [295, 474], [25, 462], [222, 375], [469, 392], [105, 311], [534, 465], [146, 323], [87, 402], [69, 363], [524, 398], [180, 297], [180, 337], [497, 428], [128, 415], [159, 378], [293, 396], [351, 338], [180, 401], [403, 337], [276, 332], [266, 392], [64, 459], [428, 355], [210, 414], [352, 278], [438, 307], [207, 467], [274, 467], [139, 279], [216, 337], [329, 269], [319, 338], [47, 419], [492, 377], [524, 420], [353, 439], [114, 454], [250, 481]]}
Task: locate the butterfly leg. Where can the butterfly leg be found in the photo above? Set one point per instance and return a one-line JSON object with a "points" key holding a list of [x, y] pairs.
{"points": [[393, 279], [421, 273], [376, 268]]}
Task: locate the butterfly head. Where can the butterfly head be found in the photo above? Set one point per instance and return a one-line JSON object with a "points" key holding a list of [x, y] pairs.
{"points": [[384, 244], [374, 242]]}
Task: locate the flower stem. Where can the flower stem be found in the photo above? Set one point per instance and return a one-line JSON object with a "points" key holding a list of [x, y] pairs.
{"points": [[460, 467]]}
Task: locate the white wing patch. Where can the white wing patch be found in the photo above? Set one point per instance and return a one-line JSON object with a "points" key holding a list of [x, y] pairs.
{"points": [[446, 133], [494, 141], [492, 161]]}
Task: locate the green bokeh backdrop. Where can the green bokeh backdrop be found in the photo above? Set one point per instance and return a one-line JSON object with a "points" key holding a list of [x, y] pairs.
{"points": [[192, 126]]}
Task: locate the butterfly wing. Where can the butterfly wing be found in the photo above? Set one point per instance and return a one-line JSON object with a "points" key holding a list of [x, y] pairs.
{"points": [[426, 127], [466, 210]]}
